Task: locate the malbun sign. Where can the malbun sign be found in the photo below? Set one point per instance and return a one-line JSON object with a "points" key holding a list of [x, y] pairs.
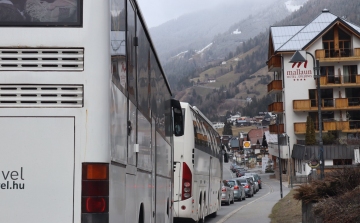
{"points": [[299, 71]]}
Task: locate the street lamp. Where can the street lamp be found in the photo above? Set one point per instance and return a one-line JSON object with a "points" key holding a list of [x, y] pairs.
{"points": [[280, 169], [299, 56], [289, 160]]}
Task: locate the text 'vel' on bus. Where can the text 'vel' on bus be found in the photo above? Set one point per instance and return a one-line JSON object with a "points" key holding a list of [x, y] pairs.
{"points": [[86, 115], [197, 168]]}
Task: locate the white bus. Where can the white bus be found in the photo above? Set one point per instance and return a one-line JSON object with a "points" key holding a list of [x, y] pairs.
{"points": [[198, 168], [86, 115]]}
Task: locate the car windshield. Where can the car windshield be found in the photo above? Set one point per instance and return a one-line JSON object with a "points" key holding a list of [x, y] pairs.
{"points": [[232, 183]]}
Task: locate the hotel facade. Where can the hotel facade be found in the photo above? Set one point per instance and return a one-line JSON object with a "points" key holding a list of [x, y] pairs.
{"points": [[335, 43]]}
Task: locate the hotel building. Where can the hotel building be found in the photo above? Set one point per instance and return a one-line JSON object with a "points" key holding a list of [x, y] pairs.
{"points": [[335, 43]]}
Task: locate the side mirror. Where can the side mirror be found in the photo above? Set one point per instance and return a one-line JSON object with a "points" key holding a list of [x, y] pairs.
{"points": [[223, 151], [178, 118], [226, 158]]}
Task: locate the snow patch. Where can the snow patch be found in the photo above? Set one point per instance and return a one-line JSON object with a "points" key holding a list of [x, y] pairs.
{"points": [[292, 6], [180, 54], [202, 50], [237, 31]]}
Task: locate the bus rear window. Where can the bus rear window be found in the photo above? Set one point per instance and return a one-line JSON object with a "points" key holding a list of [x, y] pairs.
{"points": [[38, 13]]}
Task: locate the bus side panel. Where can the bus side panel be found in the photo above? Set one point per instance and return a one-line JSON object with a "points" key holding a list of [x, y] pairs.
{"points": [[163, 200], [37, 169], [144, 195], [215, 182], [117, 202]]}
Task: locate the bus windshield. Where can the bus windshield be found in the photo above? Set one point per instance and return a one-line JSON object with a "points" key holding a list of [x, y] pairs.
{"points": [[38, 13]]}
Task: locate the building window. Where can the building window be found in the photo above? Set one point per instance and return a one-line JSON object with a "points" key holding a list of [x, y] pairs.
{"points": [[337, 162]]}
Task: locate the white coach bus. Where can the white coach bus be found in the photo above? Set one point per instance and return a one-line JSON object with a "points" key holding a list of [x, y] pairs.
{"points": [[86, 115], [198, 168]]}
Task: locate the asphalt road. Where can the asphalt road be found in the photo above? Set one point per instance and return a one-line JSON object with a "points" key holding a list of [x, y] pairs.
{"points": [[252, 210]]}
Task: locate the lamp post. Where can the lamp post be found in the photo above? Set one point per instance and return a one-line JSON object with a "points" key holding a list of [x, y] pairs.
{"points": [[280, 169], [299, 56], [290, 168]]}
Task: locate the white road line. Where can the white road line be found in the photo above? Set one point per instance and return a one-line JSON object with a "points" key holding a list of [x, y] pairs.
{"points": [[236, 210], [231, 173]]}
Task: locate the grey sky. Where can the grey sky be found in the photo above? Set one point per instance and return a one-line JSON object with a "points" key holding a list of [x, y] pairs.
{"points": [[157, 12]]}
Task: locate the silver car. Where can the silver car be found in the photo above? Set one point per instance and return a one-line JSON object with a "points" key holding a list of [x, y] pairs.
{"points": [[257, 187], [257, 178], [227, 193], [239, 191]]}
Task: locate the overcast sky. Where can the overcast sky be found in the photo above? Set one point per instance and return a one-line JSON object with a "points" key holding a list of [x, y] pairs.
{"points": [[157, 12]]}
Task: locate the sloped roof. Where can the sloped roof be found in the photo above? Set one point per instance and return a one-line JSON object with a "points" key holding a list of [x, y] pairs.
{"points": [[282, 34], [357, 28], [311, 31]]}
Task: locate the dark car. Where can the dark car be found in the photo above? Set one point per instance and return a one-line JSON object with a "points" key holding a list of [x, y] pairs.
{"points": [[233, 167], [240, 172], [249, 191]]}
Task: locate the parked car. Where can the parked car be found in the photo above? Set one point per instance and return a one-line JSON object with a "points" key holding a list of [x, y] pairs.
{"points": [[227, 193], [249, 192], [251, 180], [239, 191], [233, 167], [255, 181], [240, 172], [257, 177]]}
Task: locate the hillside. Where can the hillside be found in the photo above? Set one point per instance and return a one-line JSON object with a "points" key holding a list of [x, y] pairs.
{"points": [[243, 73]]}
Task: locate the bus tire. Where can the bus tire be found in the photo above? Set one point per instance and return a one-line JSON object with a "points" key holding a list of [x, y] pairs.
{"points": [[213, 215]]}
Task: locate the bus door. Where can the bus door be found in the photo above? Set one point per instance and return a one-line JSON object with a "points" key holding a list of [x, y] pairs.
{"points": [[131, 194], [210, 191], [153, 172]]}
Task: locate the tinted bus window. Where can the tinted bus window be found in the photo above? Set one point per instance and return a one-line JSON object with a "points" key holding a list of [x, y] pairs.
{"points": [[39, 13]]}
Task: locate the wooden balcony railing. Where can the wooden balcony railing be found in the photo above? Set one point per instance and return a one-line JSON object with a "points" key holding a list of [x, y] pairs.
{"points": [[342, 80], [276, 107], [344, 54], [300, 128], [327, 104], [273, 129], [330, 125], [275, 85], [274, 63]]}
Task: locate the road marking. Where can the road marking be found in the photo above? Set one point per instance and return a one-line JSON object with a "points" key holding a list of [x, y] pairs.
{"points": [[236, 210], [231, 173]]}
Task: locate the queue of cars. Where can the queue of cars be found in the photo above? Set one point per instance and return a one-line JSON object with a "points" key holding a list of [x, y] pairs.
{"points": [[246, 184]]}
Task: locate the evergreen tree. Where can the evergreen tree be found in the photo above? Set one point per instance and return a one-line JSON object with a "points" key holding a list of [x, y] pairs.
{"points": [[310, 132], [264, 142], [227, 129]]}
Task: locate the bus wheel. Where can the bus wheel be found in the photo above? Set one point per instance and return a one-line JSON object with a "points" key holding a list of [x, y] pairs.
{"points": [[213, 215]]}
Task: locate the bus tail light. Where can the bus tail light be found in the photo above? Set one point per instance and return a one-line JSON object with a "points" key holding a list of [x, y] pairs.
{"points": [[95, 193], [186, 182]]}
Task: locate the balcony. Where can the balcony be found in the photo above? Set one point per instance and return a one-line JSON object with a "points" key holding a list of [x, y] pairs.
{"points": [[330, 81], [273, 129], [276, 107], [350, 126], [274, 63], [338, 55], [274, 86], [327, 104]]}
